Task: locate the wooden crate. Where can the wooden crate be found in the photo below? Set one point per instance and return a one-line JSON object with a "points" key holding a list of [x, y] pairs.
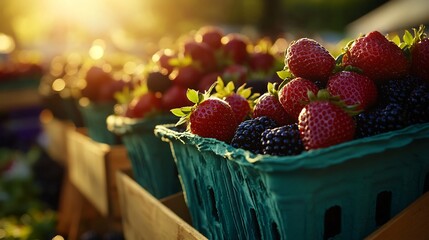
{"points": [[145, 217], [56, 136], [92, 168], [411, 223]]}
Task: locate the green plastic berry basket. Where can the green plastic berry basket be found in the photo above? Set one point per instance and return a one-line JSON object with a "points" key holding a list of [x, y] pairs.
{"points": [[151, 159], [94, 118], [341, 192]]}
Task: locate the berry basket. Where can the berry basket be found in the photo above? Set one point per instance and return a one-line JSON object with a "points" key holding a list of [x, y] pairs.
{"points": [[340, 192], [151, 160], [94, 118]]}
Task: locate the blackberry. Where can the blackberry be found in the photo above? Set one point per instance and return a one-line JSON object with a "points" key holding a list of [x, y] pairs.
{"points": [[282, 141], [397, 90], [367, 124], [248, 133], [321, 84], [392, 117], [158, 82], [418, 105]]}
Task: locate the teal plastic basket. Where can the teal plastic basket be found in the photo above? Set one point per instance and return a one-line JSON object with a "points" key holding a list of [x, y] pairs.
{"points": [[94, 118], [341, 192], [151, 159]]}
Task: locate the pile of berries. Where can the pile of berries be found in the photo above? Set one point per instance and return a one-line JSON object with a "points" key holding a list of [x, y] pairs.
{"points": [[196, 61], [376, 85]]}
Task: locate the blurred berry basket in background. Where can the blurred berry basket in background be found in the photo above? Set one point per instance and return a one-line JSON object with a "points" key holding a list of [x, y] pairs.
{"points": [[94, 117], [151, 160], [346, 191]]}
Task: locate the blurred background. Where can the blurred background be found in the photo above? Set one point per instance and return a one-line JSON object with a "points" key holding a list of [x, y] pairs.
{"points": [[55, 26], [44, 45]]}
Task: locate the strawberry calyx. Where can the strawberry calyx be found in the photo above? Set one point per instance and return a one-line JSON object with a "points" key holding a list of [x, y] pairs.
{"points": [[184, 61], [324, 96], [339, 66], [195, 97], [285, 74], [410, 40], [223, 91]]}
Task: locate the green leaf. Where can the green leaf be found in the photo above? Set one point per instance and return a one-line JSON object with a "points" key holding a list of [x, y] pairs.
{"points": [[230, 87], [246, 93], [408, 38], [187, 109], [396, 40], [175, 62], [270, 87], [192, 95], [284, 74], [178, 112]]}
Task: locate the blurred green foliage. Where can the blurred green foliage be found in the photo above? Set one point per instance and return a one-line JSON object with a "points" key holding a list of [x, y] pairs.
{"points": [[22, 214]]}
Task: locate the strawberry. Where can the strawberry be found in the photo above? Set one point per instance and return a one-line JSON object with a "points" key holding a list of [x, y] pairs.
{"points": [[240, 101], [186, 76], [420, 59], [210, 35], [235, 73], [378, 58], [293, 95], [162, 59], [207, 80], [145, 104], [353, 88], [235, 48], [174, 97], [325, 122], [201, 53], [261, 61], [308, 59], [269, 105], [210, 117]]}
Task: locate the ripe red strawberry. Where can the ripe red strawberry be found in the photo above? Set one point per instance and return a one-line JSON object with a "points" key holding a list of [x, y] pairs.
{"points": [[175, 97], [235, 48], [293, 95], [378, 58], [241, 101], [213, 118], [420, 59], [186, 76], [163, 57], [308, 59], [207, 80], [269, 105], [235, 73], [210, 117], [201, 53], [322, 123], [210, 35], [261, 61], [141, 106], [353, 88]]}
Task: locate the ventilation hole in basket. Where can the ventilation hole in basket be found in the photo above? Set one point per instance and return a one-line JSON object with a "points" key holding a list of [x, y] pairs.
{"points": [[332, 222], [426, 185], [256, 229], [383, 207], [275, 231], [197, 193], [213, 203]]}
